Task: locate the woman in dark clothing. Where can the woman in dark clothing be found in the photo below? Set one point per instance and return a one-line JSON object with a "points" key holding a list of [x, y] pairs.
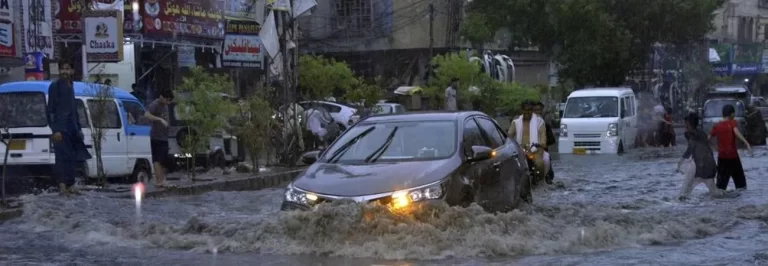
{"points": [[698, 162]]}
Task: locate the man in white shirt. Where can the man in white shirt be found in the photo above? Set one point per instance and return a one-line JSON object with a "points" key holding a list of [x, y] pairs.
{"points": [[321, 124], [450, 95]]}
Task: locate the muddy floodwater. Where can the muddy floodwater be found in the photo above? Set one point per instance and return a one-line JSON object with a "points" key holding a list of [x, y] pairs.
{"points": [[604, 210]]}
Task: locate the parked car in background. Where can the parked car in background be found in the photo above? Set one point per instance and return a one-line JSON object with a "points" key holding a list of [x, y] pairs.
{"points": [[125, 151], [222, 147], [598, 120], [339, 111], [379, 109]]}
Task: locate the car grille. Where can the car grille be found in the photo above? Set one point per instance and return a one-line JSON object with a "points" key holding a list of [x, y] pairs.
{"points": [[383, 200], [586, 144], [587, 136]]}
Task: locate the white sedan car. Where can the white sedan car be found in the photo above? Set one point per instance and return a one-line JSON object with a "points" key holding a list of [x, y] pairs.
{"points": [[379, 109]]}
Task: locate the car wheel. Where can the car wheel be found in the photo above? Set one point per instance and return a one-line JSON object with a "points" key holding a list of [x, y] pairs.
{"points": [[526, 190], [141, 173], [455, 193], [620, 150]]}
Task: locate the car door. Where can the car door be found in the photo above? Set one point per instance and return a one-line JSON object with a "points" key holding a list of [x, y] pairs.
{"points": [[107, 116], [472, 136], [85, 125], [494, 140], [136, 132]]}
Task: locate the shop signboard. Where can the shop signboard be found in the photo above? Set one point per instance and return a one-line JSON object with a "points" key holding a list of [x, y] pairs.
{"points": [[747, 58], [721, 69], [68, 19], [723, 51], [180, 18], [242, 45], [7, 32], [33, 66], [37, 25], [103, 35]]}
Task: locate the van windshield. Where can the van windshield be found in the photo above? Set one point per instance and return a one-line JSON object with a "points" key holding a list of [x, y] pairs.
{"points": [[22, 109], [587, 107], [714, 108]]}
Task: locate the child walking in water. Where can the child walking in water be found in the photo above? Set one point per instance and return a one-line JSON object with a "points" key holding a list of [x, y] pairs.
{"points": [[698, 162]]}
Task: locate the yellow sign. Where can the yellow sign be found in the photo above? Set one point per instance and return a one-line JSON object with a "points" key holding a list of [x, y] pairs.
{"points": [[17, 145], [579, 151]]}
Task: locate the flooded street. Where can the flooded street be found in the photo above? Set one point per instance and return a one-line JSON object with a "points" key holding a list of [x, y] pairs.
{"points": [[605, 210]]}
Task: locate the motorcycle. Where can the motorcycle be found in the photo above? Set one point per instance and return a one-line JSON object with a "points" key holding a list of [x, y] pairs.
{"points": [[536, 174]]}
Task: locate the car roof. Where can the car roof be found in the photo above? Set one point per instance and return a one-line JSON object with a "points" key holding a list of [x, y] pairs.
{"points": [[421, 116], [592, 92], [81, 88]]}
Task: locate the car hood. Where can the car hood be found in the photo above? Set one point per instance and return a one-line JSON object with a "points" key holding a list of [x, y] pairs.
{"points": [[368, 179]]}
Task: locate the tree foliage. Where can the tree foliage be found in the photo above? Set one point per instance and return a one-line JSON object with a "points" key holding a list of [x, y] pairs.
{"points": [[321, 77], [365, 93], [254, 123], [203, 110], [596, 42]]}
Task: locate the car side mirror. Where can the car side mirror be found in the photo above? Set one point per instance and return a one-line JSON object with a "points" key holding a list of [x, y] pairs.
{"points": [[480, 153], [310, 157]]}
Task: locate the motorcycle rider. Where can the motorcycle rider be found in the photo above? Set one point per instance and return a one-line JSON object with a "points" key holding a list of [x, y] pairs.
{"points": [[530, 131], [538, 109]]}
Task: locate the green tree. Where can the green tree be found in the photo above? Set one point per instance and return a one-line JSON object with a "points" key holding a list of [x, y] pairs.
{"points": [[367, 94], [203, 110], [595, 42], [102, 108], [254, 124], [448, 67], [321, 77]]}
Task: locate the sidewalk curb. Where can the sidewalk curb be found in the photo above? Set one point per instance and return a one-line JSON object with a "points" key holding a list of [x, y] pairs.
{"points": [[257, 182], [10, 214]]}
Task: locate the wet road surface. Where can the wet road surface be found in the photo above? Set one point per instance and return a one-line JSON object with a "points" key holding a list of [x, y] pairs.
{"points": [[605, 210]]}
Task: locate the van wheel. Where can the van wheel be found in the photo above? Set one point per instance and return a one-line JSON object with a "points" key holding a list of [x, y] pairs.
{"points": [[621, 148], [141, 173]]}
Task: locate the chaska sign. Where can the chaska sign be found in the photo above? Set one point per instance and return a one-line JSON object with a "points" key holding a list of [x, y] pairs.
{"points": [[103, 35]]}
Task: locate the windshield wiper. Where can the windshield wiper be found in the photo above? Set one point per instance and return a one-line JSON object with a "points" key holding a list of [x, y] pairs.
{"points": [[347, 145], [380, 151]]}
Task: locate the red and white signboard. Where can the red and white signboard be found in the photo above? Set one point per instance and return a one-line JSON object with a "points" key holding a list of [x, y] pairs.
{"points": [[7, 38]]}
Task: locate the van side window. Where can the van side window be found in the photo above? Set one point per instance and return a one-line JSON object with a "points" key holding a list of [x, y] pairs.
{"points": [[632, 108], [624, 107], [82, 116], [135, 113], [104, 113]]}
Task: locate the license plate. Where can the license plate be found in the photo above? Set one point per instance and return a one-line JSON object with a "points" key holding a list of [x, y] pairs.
{"points": [[579, 151], [17, 145]]}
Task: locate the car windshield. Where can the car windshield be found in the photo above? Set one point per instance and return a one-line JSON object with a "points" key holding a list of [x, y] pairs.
{"points": [[23, 109], [714, 108], [584, 107], [394, 141]]}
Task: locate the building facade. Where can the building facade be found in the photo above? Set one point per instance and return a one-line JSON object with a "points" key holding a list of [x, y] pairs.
{"points": [[391, 38]]}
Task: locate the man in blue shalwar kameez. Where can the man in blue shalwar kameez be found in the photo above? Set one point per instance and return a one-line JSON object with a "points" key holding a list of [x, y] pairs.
{"points": [[68, 143]]}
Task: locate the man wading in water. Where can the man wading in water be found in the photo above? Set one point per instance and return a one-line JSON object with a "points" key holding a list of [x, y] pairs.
{"points": [[698, 162], [68, 143], [157, 112], [728, 161]]}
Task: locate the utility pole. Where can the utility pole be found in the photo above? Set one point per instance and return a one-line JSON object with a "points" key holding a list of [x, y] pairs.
{"points": [[431, 38]]}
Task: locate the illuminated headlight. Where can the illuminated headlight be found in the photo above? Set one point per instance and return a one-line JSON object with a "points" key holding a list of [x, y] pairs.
{"points": [[613, 129], [296, 196], [403, 198], [563, 130], [184, 155]]}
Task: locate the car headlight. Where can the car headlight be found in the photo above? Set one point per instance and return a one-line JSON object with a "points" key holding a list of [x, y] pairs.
{"points": [[296, 196], [403, 198], [613, 129], [563, 130]]}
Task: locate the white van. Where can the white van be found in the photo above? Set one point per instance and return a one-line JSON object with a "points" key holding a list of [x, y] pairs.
{"points": [[598, 120], [126, 150]]}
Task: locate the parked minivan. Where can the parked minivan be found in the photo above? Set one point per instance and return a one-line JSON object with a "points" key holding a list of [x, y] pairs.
{"points": [[125, 148], [598, 120]]}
